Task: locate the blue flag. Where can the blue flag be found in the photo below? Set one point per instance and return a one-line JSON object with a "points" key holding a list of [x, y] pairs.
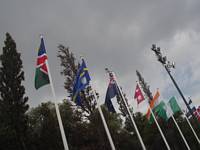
{"points": [[82, 80], [111, 93]]}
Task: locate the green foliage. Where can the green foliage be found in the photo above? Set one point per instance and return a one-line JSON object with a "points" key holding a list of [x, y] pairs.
{"points": [[44, 128], [13, 105]]}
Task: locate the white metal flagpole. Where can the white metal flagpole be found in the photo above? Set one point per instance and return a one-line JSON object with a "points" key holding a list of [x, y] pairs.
{"points": [[103, 119], [171, 112], [104, 122], [167, 145], [164, 139], [57, 111], [180, 133], [129, 113], [192, 128]]}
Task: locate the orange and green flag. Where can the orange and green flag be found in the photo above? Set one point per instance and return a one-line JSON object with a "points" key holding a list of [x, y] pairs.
{"points": [[152, 103]]}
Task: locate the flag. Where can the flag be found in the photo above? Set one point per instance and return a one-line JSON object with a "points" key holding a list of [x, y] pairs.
{"points": [[152, 103], [138, 94], [111, 93], [41, 73], [174, 105], [188, 114], [82, 80], [160, 111], [196, 113]]}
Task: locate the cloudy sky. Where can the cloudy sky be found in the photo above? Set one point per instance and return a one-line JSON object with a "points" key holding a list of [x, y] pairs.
{"points": [[109, 33]]}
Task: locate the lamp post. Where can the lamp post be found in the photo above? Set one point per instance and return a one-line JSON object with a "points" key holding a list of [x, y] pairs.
{"points": [[168, 65]]}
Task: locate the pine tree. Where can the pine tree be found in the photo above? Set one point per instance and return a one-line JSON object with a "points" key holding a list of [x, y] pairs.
{"points": [[12, 100]]}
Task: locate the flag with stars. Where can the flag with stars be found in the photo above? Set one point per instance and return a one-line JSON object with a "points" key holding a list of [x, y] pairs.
{"points": [[138, 94]]}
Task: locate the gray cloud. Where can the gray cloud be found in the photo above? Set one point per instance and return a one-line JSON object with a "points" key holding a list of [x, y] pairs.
{"points": [[115, 34]]}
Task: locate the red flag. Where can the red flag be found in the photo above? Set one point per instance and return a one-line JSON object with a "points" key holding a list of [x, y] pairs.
{"points": [[197, 113], [138, 94]]}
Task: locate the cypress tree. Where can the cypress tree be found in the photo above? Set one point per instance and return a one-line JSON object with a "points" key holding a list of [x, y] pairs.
{"points": [[13, 103]]}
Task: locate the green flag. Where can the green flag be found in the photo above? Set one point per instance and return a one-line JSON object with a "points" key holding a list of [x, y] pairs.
{"points": [[173, 105], [159, 112]]}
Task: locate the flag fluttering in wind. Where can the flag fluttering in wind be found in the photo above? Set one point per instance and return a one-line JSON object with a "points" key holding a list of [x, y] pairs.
{"points": [[174, 109], [197, 113], [41, 73], [138, 94], [111, 93], [82, 80], [174, 105], [43, 77], [160, 111], [152, 103]]}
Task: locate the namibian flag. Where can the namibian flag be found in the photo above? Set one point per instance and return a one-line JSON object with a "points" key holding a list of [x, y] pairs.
{"points": [[41, 73]]}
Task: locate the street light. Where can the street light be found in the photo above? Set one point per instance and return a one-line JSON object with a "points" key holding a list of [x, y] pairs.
{"points": [[168, 65]]}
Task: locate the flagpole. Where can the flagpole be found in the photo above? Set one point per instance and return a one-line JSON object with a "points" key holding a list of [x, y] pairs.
{"points": [[167, 145], [192, 128], [57, 111], [189, 125], [104, 122], [180, 133], [103, 119], [164, 139], [129, 113], [168, 65], [56, 107], [167, 107]]}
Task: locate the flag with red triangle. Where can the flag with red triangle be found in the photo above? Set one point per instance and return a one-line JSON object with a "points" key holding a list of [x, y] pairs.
{"points": [[41, 73], [138, 94]]}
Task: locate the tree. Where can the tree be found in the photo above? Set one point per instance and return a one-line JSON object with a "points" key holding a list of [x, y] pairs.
{"points": [[70, 67], [13, 103], [43, 128]]}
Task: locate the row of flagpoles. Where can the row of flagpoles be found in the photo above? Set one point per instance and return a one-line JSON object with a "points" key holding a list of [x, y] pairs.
{"points": [[43, 77]]}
